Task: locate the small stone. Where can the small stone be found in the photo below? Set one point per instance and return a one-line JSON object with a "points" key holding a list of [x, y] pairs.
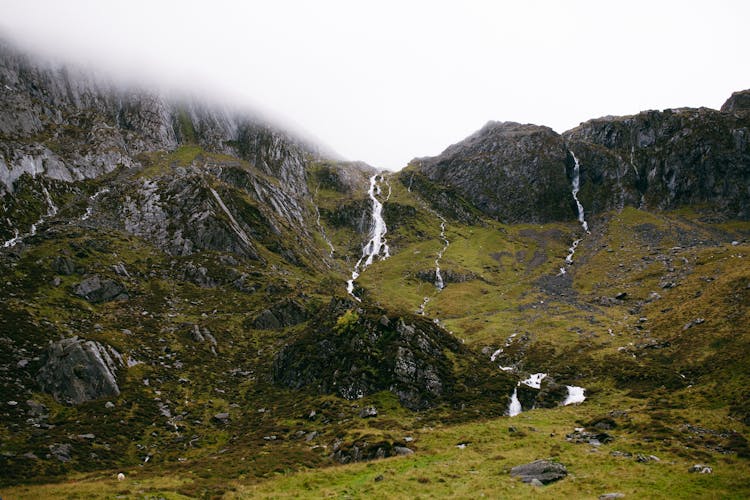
{"points": [[12, 403], [121, 477], [86, 436], [735, 243], [368, 412], [701, 469], [311, 435], [621, 296], [109, 405], [402, 450], [608, 496], [222, 417], [536, 482], [379, 478]]}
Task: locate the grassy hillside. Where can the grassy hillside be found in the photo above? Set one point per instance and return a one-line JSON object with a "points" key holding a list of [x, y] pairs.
{"points": [[649, 319]]}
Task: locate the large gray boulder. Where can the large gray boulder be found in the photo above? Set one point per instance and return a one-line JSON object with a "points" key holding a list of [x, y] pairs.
{"points": [[543, 471], [77, 370], [96, 289]]}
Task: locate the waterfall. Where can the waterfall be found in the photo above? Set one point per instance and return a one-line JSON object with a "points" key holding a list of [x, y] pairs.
{"points": [[51, 212], [438, 277], [576, 186], [377, 245], [514, 408], [92, 198]]}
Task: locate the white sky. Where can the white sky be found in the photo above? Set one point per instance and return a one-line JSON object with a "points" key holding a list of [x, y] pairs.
{"points": [[384, 81]]}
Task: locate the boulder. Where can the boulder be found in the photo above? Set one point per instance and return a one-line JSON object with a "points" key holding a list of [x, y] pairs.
{"points": [[77, 370], [96, 289], [368, 411], [543, 471]]}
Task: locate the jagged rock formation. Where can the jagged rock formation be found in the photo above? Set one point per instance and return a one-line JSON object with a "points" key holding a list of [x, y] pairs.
{"points": [[507, 170], [77, 370], [61, 124], [663, 160], [354, 353], [655, 160], [96, 289]]}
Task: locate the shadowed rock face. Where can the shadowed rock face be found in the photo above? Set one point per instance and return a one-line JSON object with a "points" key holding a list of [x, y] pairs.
{"points": [[661, 160], [655, 160], [370, 352], [96, 289], [513, 172], [77, 370]]}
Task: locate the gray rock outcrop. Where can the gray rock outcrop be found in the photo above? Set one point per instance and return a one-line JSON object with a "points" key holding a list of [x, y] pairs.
{"points": [[96, 289], [510, 171], [543, 471], [77, 370]]}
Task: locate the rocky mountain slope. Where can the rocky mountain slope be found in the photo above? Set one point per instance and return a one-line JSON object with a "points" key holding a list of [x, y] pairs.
{"points": [[194, 294], [655, 160]]}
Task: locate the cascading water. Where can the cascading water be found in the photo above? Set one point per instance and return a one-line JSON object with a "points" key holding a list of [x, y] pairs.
{"points": [[51, 212], [438, 277], [92, 198], [576, 186], [575, 395], [377, 245], [514, 408], [321, 229]]}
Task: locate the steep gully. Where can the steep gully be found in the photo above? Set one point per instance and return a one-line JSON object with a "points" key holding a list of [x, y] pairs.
{"points": [[377, 246], [576, 186], [575, 394], [439, 283]]}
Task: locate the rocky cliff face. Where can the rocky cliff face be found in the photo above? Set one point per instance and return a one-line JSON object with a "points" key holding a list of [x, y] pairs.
{"points": [[60, 124], [653, 160], [665, 160], [507, 170]]}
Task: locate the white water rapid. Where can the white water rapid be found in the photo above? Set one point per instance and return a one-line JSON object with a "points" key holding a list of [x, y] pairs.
{"points": [[575, 395], [576, 186], [377, 245], [438, 277], [92, 198]]}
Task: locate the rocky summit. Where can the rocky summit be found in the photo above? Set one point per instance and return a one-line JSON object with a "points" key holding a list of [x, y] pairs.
{"points": [[197, 302]]}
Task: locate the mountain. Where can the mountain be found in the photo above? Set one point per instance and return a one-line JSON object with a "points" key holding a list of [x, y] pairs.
{"points": [[209, 303]]}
